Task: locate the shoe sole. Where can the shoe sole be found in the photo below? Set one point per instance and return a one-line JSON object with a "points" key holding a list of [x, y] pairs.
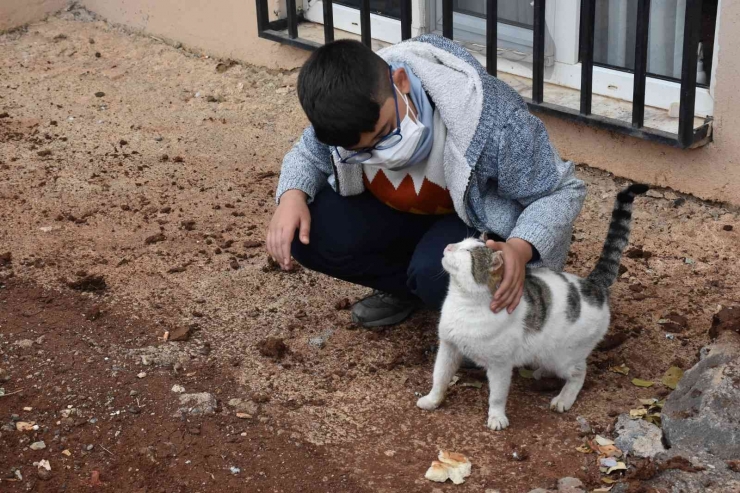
{"points": [[385, 322]]}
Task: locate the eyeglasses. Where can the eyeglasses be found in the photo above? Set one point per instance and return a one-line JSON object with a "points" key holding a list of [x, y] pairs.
{"points": [[386, 142]]}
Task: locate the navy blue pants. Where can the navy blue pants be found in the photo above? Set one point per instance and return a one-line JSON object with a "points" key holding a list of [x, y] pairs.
{"points": [[363, 241]]}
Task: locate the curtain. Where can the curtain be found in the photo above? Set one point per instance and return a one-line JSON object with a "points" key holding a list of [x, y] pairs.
{"points": [[614, 40]]}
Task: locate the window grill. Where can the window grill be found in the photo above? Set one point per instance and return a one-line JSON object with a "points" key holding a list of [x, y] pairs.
{"points": [[687, 136]]}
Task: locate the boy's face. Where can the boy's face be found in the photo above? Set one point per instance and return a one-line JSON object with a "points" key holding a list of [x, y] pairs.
{"points": [[387, 119]]}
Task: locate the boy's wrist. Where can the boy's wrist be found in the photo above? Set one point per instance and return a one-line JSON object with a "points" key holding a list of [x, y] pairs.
{"points": [[523, 248], [294, 195]]}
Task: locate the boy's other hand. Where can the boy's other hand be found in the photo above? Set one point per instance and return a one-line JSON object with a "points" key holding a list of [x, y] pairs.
{"points": [[517, 253], [291, 214]]}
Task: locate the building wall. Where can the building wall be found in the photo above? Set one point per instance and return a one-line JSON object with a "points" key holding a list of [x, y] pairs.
{"points": [[16, 13], [224, 28], [227, 28]]}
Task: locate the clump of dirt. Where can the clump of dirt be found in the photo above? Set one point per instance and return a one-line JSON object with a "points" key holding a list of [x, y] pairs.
{"points": [[728, 318], [156, 238], [89, 283], [6, 259], [273, 347]]}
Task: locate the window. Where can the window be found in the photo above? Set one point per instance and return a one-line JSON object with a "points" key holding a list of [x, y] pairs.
{"points": [[551, 56]]}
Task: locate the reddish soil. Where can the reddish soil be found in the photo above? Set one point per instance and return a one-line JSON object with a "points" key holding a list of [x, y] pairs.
{"points": [[110, 245]]}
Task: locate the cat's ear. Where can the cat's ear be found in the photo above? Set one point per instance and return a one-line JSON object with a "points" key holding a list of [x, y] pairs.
{"points": [[496, 271], [484, 237]]}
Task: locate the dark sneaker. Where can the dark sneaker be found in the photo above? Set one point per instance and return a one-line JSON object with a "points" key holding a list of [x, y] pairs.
{"points": [[381, 309]]}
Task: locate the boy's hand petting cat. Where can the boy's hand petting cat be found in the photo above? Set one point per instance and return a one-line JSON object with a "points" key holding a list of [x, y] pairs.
{"points": [[516, 253], [291, 214]]}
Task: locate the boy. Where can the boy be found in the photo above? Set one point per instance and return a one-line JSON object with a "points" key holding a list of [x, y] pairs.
{"points": [[409, 150]]}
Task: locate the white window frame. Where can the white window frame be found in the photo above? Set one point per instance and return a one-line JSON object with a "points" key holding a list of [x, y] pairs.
{"points": [[562, 18]]}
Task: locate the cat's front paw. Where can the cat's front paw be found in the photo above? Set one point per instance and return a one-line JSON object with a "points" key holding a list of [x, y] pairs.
{"points": [[498, 422], [560, 404], [428, 403]]}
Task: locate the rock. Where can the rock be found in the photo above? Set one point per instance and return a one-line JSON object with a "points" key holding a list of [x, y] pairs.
{"points": [[38, 445], [24, 343], [569, 485], [6, 259], [728, 318], [99, 94], [320, 340], [701, 415], [43, 474], [539, 490], [89, 284], [727, 227], [654, 194], [244, 406], [178, 389], [638, 437], [200, 403]]}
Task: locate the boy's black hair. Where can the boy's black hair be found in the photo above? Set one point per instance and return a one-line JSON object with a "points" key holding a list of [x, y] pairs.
{"points": [[341, 89]]}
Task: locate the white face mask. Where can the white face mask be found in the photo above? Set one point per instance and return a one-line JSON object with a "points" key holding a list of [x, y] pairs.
{"points": [[398, 156]]}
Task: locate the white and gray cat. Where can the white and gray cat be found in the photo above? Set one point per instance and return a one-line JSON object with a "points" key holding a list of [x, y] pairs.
{"points": [[558, 322]]}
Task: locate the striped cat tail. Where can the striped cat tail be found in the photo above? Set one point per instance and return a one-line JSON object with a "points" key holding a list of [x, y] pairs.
{"points": [[607, 268]]}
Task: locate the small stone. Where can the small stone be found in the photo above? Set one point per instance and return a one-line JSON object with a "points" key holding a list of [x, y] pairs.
{"points": [[654, 194], [638, 437], [178, 389], [727, 227], [99, 94], [4, 376], [24, 343], [150, 240], [43, 474], [133, 393], [89, 447], [569, 484], [320, 341], [38, 445], [679, 202], [141, 375], [158, 139], [244, 406], [583, 425], [235, 470], [200, 403]]}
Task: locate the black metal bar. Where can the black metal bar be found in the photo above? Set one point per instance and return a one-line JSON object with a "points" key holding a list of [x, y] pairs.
{"points": [[365, 33], [588, 19], [492, 37], [281, 37], [263, 17], [405, 19], [691, 34], [538, 52], [447, 19], [702, 135], [292, 19], [641, 54], [328, 21]]}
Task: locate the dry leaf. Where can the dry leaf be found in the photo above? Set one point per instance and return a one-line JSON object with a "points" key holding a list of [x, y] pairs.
{"points": [[621, 466], [603, 441], [623, 369], [475, 383], [66, 452], [584, 449], [525, 373], [608, 451], [603, 490], [608, 480], [638, 413], [672, 376], [637, 382]]}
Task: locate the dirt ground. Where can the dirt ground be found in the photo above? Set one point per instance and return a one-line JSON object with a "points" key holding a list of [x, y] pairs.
{"points": [[127, 158]]}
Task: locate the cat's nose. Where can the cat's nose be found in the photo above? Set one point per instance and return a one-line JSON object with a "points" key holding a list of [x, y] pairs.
{"points": [[450, 248]]}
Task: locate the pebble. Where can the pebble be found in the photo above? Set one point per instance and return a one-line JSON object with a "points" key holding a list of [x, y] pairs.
{"points": [[24, 343], [158, 139], [583, 424], [43, 474], [178, 389], [320, 341], [38, 445], [141, 375], [235, 470], [89, 447], [4, 377]]}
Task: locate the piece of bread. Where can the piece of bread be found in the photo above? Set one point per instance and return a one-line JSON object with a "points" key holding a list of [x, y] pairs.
{"points": [[437, 472], [456, 461]]}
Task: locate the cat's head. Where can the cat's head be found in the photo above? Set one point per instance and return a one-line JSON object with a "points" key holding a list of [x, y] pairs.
{"points": [[473, 266]]}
